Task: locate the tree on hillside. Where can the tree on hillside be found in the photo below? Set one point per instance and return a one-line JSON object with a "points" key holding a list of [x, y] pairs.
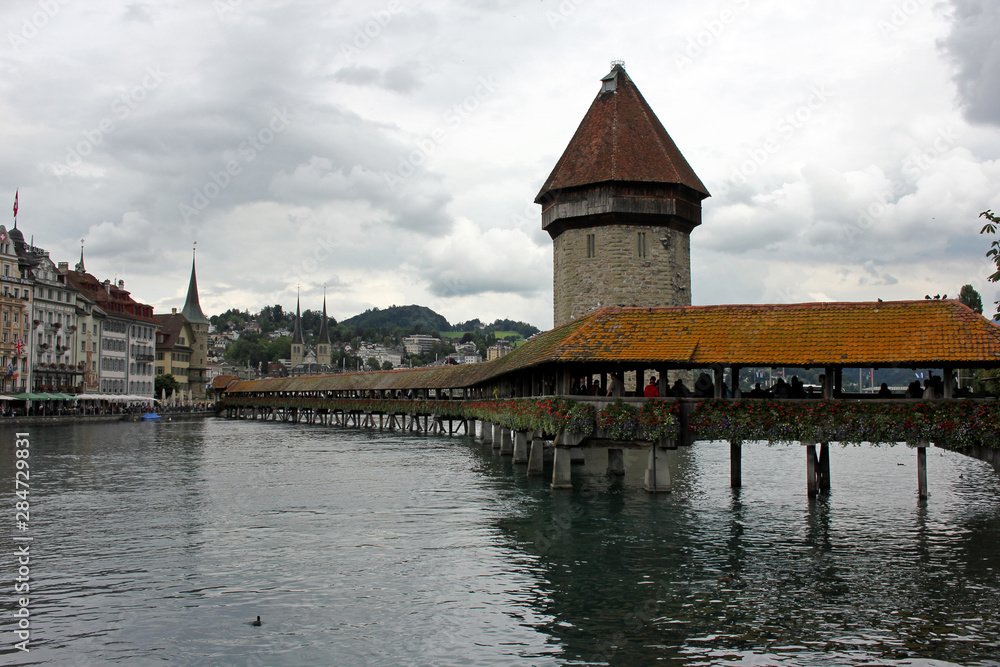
{"points": [[970, 297]]}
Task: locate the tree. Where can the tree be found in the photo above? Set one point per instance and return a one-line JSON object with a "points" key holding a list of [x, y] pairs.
{"points": [[994, 252], [166, 381], [387, 365], [970, 297]]}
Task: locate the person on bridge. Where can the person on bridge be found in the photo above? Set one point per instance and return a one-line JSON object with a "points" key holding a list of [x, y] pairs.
{"points": [[651, 391]]}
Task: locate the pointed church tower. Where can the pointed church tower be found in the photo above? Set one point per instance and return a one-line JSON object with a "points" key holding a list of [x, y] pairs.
{"points": [[620, 205], [323, 340], [298, 344], [198, 365]]}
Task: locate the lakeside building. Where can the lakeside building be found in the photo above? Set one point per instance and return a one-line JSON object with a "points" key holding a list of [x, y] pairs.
{"points": [[51, 349], [173, 349], [15, 325], [55, 365], [127, 336]]}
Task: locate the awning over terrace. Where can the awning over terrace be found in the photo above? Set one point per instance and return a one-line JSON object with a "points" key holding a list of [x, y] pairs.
{"points": [[907, 334]]}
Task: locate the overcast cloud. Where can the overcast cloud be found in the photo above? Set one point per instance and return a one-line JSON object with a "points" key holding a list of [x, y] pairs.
{"points": [[391, 150]]}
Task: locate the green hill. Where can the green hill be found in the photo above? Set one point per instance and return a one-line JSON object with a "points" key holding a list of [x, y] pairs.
{"points": [[418, 317]]}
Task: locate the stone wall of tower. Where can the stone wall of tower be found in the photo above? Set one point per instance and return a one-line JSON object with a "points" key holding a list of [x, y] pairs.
{"points": [[198, 365], [618, 273], [298, 353]]}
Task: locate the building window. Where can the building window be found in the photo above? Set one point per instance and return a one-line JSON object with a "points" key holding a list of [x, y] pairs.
{"points": [[641, 245], [591, 246]]}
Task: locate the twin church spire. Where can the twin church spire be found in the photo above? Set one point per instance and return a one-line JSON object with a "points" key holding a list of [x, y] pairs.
{"points": [[300, 355]]}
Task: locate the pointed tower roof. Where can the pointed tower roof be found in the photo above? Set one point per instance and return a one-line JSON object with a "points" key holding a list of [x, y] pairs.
{"points": [[324, 331], [297, 332], [80, 267], [621, 140], [192, 309]]}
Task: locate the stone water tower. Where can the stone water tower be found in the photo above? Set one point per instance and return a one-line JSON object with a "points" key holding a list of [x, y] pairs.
{"points": [[620, 205]]}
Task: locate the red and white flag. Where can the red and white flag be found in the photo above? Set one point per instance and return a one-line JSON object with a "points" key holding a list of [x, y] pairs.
{"points": [[19, 347], [15, 203]]}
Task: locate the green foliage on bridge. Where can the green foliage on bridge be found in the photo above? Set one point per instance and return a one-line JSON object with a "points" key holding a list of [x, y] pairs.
{"points": [[951, 424]]}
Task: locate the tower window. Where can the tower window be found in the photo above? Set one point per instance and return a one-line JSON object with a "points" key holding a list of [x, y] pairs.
{"points": [[591, 246], [641, 245]]}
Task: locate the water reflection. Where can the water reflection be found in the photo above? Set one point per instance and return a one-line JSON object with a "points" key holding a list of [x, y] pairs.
{"points": [[162, 541], [711, 575]]}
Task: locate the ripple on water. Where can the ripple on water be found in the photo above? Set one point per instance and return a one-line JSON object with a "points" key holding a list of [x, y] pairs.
{"points": [[161, 541]]}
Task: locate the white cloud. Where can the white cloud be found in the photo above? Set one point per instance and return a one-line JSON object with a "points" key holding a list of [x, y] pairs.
{"points": [[417, 138]]}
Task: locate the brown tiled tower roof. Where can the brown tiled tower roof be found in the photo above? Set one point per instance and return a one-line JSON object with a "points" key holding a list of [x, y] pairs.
{"points": [[621, 139]]}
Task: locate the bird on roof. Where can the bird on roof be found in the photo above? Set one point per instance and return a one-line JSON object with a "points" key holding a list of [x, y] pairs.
{"points": [[927, 296]]}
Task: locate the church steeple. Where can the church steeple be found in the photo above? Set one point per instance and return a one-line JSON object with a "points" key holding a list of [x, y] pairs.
{"points": [[324, 330], [192, 308], [298, 344], [323, 340], [297, 331], [80, 267]]}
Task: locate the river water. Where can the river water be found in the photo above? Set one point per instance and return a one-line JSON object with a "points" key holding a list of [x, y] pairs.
{"points": [[158, 543]]}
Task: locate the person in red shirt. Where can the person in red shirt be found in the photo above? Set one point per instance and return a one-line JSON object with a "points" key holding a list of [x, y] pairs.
{"points": [[652, 390]]}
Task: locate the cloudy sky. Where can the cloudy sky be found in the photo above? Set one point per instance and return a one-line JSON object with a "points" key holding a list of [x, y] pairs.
{"points": [[391, 150]]}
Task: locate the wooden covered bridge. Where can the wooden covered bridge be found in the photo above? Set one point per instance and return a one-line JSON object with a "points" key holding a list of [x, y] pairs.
{"points": [[939, 336]]}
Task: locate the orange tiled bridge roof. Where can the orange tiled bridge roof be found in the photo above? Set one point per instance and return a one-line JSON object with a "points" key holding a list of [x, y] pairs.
{"points": [[919, 334]]}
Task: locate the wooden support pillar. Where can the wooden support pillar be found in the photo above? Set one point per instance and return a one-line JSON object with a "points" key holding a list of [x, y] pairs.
{"points": [[735, 389], [657, 478], [922, 469], [487, 433], [520, 447], [562, 478], [720, 376], [812, 481], [828, 383], [616, 463], [536, 456], [823, 468], [497, 436], [506, 443], [736, 463]]}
